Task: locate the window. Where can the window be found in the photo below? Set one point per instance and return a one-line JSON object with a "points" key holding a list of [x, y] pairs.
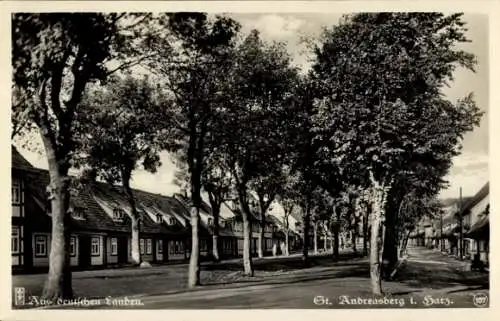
{"points": [[41, 245], [176, 247], [15, 240], [203, 245], [159, 246], [159, 218], [222, 224], [16, 191], [95, 248], [77, 213], [118, 214], [269, 244], [210, 221], [114, 246], [171, 221], [141, 246], [227, 245], [72, 246], [149, 246], [171, 246]]}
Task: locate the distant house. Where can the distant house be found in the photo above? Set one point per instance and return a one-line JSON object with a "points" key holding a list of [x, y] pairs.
{"points": [[475, 214], [226, 240]]}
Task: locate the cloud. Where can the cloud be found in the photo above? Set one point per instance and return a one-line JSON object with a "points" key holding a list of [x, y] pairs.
{"points": [[160, 182], [470, 171], [276, 27]]}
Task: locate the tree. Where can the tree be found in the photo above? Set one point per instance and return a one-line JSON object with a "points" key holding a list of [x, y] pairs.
{"points": [[54, 57], [289, 198], [261, 81], [217, 182], [196, 82], [301, 159], [119, 131], [382, 111], [288, 208]]}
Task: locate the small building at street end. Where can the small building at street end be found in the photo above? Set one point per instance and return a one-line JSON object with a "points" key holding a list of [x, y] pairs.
{"points": [[461, 223], [100, 225]]}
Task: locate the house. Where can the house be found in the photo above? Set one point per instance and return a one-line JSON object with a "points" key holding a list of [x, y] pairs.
{"points": [[99, 221], [226, 237], [236, 223], [475, 215], [100, 224]]}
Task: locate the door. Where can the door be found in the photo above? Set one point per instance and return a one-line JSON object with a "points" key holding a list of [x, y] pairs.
{"points": [[122, 244], [84, 249]]}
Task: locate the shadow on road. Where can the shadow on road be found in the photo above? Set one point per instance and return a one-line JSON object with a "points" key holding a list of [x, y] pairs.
{"points": [[451, 273], [285, 264], [359, 270]]}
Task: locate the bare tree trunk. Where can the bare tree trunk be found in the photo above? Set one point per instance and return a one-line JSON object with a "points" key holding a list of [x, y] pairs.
{"points": [[325, 239], [287, 242], [315, 229], [379, 194], [247, 257], [58, 284], [374, 252], [135, 250], [194, 258], [353, 240], [136, 254], [260, 240], [336, 236], [365, 234], [404, 244], [305, 246], [215, 236], [215, 248]]}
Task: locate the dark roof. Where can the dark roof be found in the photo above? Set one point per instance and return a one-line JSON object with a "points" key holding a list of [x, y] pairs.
{"points": [[206, 229], [473, 201], [96, 217], [18, 161], [480, 229]]}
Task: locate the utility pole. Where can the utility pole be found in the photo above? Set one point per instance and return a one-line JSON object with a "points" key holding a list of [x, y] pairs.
{"points": [[461, 223]]}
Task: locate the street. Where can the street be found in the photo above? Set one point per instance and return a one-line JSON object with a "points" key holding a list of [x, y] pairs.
{"points": [[428, 279]]}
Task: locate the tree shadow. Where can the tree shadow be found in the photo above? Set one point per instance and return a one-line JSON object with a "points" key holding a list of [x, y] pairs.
{"points": [[359, 270], [421, 276], [285, 264]]}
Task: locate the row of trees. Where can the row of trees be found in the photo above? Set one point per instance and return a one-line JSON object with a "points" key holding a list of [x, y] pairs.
{"points": [[365, 137]]}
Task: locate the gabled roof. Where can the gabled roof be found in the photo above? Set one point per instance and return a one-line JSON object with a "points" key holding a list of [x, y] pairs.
{"points": [[473, 201], [18, 161], [97, 199]]}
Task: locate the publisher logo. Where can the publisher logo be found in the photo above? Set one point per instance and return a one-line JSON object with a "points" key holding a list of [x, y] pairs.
{"points": [[19, 296], [480, 300]]}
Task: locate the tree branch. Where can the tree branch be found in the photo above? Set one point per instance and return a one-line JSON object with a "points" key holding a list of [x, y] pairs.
{"points": [[130, 64]]}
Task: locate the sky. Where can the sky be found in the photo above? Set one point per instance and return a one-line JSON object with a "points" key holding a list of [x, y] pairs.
{"points": [[470, 169]]}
